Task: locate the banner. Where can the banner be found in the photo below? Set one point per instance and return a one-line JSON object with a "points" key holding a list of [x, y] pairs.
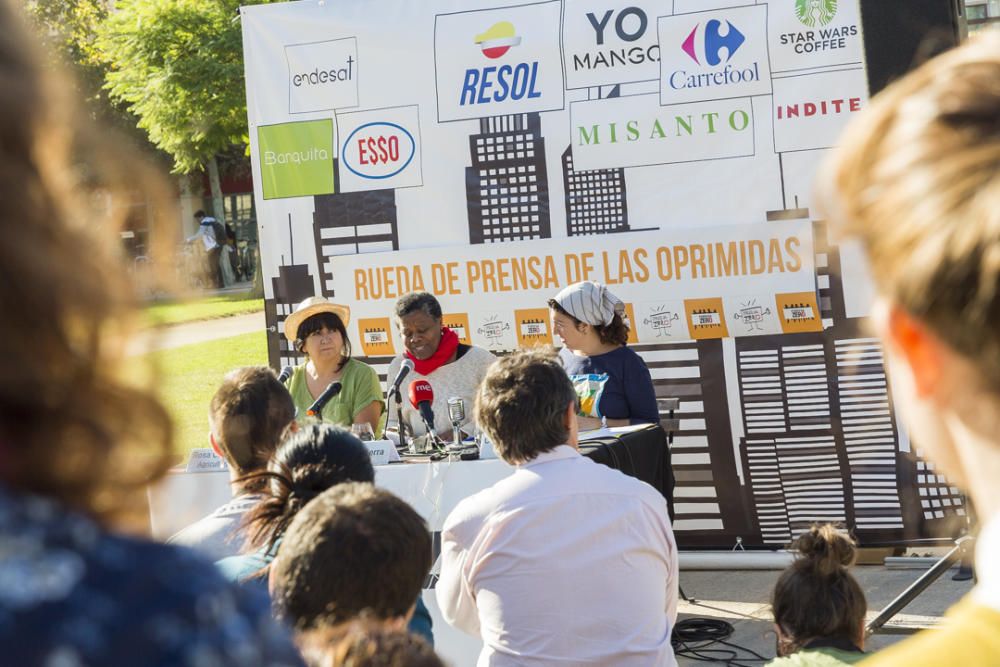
{"points": [[494, 151]]}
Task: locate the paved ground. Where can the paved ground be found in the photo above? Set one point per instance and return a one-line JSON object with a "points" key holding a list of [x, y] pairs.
{"points": [[166, 338], [741, 598]]}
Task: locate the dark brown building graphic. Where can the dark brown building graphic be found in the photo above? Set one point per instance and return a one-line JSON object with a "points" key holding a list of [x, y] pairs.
{"points": [[507, 187]]}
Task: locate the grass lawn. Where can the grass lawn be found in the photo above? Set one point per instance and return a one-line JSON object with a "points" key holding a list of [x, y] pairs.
{"points": [[239, 303], [192, 373]]}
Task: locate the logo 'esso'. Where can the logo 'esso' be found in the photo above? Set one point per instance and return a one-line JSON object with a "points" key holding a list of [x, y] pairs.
{"points": [[378, 150]]}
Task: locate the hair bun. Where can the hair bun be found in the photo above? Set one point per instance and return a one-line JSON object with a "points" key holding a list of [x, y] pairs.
{"points": [[826, 549]]}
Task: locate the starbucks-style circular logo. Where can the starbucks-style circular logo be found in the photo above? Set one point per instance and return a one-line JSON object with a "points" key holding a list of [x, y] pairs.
{"points": [[815, 13]]}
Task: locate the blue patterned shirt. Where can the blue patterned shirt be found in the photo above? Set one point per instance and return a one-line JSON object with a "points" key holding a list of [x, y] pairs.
{"points": [[73, 594]]}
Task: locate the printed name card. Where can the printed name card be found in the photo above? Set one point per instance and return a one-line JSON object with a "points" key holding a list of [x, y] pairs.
{"points": [[205, 460], [382, 452]]}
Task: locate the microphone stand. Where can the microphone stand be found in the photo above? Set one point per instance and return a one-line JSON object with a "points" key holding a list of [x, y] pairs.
{"points": [[400, 424]]}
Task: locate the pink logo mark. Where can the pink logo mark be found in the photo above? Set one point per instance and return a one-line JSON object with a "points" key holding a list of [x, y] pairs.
{"points": [[688, 45]]}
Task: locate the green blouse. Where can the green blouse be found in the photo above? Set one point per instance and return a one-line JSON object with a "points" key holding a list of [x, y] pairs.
{"points": [[360, 388]]}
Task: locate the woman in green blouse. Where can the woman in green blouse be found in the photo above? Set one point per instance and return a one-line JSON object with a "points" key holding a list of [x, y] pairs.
{"points": [[318, 329]]}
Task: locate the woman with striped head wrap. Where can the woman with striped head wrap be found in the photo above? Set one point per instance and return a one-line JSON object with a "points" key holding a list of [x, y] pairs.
{"points": [[612, 381]]}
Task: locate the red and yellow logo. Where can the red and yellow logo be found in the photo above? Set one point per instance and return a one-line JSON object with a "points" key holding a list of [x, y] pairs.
{"points": [[497, 41]]}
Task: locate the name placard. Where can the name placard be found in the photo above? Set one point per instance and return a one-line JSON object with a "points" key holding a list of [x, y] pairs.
{"points": [[205, 460], [382, 452]]}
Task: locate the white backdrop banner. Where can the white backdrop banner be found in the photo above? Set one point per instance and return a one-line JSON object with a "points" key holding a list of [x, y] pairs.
{"points": [[493, 151]]}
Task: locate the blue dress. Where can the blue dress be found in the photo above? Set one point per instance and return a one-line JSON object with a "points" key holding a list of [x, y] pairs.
{"points": [[71, 593]]}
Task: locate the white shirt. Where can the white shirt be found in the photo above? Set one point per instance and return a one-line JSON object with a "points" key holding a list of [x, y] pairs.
{"points": [[218, 534], [987, 590], [565, 562], [207, 233]]}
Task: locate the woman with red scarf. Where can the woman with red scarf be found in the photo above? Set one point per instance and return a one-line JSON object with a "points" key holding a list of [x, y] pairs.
{"points": [[453, 369]]}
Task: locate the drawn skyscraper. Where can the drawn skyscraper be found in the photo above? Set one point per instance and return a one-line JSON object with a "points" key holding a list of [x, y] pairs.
{"points": [[707, 502], [596, 200], [847, 449], [348, 223], [293, 284], [790, 450], [507, 187]]}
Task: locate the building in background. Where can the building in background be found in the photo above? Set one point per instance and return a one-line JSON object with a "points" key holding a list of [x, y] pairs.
{"points": [[507, 186], [980, 14], [350, 223]]}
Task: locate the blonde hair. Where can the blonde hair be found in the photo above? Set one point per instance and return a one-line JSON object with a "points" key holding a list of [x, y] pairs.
{"points": [[71, 428], [916, 179]]}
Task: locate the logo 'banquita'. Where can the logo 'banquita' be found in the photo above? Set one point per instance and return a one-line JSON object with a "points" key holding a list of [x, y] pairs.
{"points": [[815, 13], [714, 42]]}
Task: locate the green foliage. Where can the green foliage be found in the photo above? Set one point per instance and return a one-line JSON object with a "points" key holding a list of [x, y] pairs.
{"points": [[67, 31], [178, 65]]}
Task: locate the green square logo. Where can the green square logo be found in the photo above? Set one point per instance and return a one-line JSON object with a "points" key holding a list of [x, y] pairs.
{"points": [[296, 159]]}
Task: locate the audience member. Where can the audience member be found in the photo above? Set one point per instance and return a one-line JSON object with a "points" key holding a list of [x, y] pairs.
{"points": [[316, 458], [247, 416], [362, 643], [565, 562], [312, 460], [78, 442], [819, 608], [354, 549], [916, 180]]}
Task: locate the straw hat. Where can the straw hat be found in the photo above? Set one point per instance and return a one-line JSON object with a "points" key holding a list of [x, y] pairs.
{"points": [[313, 306]]}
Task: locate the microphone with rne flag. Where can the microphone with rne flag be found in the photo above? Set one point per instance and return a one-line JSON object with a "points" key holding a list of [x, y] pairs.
{"points": [[421, 397], [317, 407], [286, 373]]}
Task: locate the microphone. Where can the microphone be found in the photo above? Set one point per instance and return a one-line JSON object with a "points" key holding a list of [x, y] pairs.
{"points": [[402, 373], [421, 397], [456, 412], [317, 407], [286, 373]]}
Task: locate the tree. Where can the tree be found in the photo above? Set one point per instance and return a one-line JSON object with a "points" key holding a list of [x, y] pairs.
{"points": [[178, 65], [68, 31]]}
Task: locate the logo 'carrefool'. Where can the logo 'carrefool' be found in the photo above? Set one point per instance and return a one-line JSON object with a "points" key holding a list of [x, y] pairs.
{"points": [[714, 42]]}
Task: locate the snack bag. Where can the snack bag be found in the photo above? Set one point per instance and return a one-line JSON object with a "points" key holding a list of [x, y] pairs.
{"points": [[588, 392]]}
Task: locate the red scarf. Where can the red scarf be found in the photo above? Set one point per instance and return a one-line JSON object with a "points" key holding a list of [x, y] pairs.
{"points": [[447, 347]]}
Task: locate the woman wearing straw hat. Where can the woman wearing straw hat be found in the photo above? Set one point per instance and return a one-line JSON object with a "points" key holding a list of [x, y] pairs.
{"points": [[612, 381], [318, 329]]}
